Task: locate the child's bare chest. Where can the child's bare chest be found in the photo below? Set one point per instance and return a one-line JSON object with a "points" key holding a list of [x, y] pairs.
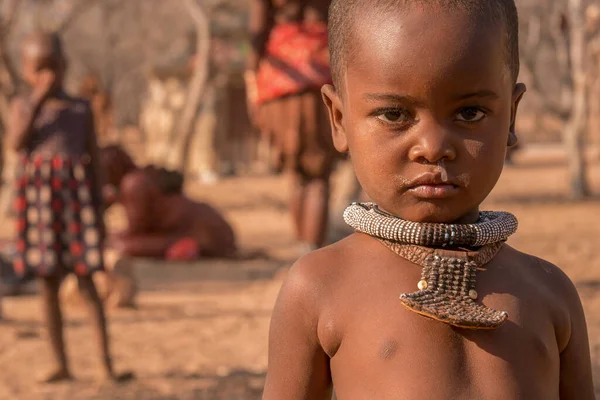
{"points": [[399, 354]]}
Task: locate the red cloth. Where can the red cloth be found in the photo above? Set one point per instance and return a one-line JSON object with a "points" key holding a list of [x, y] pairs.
{"points": [[296, 60], [183, 250]]}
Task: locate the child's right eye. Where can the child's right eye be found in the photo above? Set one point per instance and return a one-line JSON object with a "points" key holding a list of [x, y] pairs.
{"points": [[393, 116]]}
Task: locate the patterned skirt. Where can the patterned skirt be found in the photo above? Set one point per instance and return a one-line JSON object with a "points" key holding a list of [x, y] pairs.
{"points": [[296, 60], [59, 226]]}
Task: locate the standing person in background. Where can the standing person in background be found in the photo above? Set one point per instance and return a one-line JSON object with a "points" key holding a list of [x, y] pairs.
{"points": [[287, 66], [59, 202]]}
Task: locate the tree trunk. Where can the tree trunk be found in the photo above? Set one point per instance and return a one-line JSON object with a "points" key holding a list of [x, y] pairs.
{"points": [[189, 113], [575, 129]]}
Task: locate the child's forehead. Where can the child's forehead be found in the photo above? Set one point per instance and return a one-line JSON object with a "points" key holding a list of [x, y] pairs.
{"points": [[416, 24], [427, 43]]}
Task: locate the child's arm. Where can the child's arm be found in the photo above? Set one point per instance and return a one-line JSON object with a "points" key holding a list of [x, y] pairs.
{"points": [[298, 366], [24, 111], [576, 381]]}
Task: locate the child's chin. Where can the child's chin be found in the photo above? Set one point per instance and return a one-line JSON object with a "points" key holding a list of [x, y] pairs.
{"points": [[434, 213]]}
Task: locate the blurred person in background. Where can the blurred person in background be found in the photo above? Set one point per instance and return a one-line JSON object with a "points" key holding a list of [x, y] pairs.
{"points": [[59, 204], [286, 68], [161, 221]]}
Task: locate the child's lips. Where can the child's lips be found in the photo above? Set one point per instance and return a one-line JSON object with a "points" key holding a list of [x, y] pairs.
{"points": [[433, 185], [434, 191]]}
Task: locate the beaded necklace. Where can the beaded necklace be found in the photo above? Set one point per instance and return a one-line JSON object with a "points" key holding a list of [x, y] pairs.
{"points": [[492, 227], [448, 277]]}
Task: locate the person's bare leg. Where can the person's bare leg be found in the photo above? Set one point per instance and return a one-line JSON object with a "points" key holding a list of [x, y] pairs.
{"points": [[90, 294], [315, 212], [297, 207], [54, 321], [94, 303]]}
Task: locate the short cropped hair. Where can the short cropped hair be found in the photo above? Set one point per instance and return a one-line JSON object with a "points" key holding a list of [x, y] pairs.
{"points": [[342, 14], [44, 45]]}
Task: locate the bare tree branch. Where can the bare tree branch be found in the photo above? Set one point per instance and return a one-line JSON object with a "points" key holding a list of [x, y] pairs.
{"points": [[8, 73], [79, 8], [559, 105], [199, 78], [577, 124], [11, 15]]}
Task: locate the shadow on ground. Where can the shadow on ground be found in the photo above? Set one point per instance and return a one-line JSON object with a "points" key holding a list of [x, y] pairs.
{"points": [[155, 276], [233, 385]]}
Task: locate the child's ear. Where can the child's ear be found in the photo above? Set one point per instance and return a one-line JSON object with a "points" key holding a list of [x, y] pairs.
{"points": [[517, 95], [334, 106]]}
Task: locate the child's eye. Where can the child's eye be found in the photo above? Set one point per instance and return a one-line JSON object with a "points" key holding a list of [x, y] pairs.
{"points": [[394, 116], [471, 114]]}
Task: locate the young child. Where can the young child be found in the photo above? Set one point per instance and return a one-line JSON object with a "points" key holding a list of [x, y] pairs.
{"points": [[60, 227], [426, 301]]}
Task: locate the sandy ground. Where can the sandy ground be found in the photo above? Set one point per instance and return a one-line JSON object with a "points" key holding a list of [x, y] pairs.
{"points": [[200, 331]]}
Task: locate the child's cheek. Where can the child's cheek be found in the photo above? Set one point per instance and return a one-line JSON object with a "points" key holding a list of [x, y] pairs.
{"points": [[474, 148]]}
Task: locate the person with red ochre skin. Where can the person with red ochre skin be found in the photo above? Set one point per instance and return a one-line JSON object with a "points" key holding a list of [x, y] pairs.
{"points": [[287, 65], [161, 221], [424, 100]]}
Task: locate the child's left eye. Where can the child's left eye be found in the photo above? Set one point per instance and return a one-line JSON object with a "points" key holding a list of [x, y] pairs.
{"points": [[471, 114]]}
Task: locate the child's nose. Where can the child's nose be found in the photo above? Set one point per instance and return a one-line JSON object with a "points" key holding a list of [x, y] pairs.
{"points": [[432, 144]]}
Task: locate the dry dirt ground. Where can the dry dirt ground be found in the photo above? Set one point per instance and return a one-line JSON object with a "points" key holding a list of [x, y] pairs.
{"points": [[200, 331]]}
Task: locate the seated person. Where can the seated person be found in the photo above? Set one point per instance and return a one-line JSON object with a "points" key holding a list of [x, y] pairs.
{"points": [[162, 222]]}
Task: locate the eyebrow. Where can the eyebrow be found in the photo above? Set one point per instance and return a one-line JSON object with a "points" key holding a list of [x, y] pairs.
{"points": [[396, 98], [392, 98], [485, 93]]}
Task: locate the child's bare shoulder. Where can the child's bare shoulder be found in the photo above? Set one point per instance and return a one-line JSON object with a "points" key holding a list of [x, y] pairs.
{"points": [[312, 284], [323, 270], [547, 280], [541, 272]]}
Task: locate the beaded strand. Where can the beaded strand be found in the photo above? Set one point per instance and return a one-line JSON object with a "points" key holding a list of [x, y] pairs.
{"points": [[492, 227]]}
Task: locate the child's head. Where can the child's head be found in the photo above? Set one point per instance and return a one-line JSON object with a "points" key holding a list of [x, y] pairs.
{"points": [[425, 100], [42, 51]]}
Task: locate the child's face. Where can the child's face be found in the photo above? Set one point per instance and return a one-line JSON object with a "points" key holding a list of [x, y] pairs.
{"points": [[428, 93], [32, 67]]}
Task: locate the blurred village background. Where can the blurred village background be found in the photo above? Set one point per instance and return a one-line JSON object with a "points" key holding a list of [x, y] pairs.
{"points": [[165, 78]]}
